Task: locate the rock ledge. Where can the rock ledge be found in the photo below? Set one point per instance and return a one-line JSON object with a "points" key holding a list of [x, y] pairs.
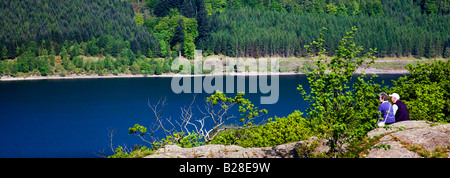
{"points": [[400, 136]]}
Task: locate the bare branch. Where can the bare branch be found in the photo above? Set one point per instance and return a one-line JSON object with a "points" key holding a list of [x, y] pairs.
{"points": [[215, 112], [111, 133]]}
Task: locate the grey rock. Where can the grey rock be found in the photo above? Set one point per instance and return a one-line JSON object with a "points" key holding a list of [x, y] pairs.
{"points": [[207, 151], [409, 133], [428, 138], [397, 150], [232, 151], [398, 126]]}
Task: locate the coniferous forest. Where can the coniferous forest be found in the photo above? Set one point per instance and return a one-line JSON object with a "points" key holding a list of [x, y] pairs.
{"points": [[129, 30], [49, 24], [395, 27]]}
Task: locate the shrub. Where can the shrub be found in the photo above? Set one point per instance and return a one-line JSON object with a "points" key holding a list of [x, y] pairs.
{"points": [[137, 152], [282, 130], [217, 110], [158, 68], [342, 114], [426, 91], [186, 141]]}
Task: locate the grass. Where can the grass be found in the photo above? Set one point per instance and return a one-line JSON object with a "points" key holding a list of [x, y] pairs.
{"points": [[137, 152], [361, 148], [438, 152]]}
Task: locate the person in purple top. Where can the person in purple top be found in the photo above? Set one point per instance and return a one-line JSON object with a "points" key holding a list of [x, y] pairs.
{"points": [[386, 109], [400, 109]]}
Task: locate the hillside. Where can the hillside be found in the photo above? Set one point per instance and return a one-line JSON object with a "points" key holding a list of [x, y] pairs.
{"points": [[248, 28], [49, 24], [396, 28], [58, 37], [261, 28]]}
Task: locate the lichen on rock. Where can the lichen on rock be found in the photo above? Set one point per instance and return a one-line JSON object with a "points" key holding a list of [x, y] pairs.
{"points": [[404, 136]]}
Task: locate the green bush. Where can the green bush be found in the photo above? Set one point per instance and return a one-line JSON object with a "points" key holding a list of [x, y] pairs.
{"points": [[182, 140], [429, 104], [137, 152], [338, 111], [282, 130], [426, 91], [158, 68], [219, 105]]}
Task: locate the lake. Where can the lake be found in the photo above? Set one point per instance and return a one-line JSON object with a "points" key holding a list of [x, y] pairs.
{"points": [[71, 118]]}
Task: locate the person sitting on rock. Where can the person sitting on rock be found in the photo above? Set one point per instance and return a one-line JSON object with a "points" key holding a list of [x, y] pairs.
{"points": [[387, 113], [400, 109]]}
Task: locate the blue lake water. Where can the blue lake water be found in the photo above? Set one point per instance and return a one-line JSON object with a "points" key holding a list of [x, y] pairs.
{"points": [[71, 118]]}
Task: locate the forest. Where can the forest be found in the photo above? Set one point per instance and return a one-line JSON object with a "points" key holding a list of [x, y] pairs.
{"points": [[50, 23], [261, 28], [58, 37], [396, 28]]}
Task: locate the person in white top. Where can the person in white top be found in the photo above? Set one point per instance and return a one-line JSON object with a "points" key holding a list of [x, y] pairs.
{"points": [[400, 109]]}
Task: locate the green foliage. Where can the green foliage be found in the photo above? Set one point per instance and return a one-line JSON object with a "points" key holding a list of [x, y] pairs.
{"points": [[233, 27], [26, 61], [341, 113], [426, 91], [395, 28], [247, 110], [361, 147], [430, 7], [4, 52], [353, 8], [72, 61], [191, 33], [182, 140], [429, 105], [137, 129], [159, 68], [135, 69], [282, 130], [178, 138], [213, 6], [43, 66], [446, 53], [152, 3], [56, 21], [219, 107], [139, 18], [332, 9], [299, 7], [177, 31], [191, 140], [137, 152], [145, 68], [438, 152], [119, 153]]}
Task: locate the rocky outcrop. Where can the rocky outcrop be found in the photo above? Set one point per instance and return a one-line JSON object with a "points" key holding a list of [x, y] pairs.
{"points": [[411, 139], [208, 151], [288, 150], [403, 138]]}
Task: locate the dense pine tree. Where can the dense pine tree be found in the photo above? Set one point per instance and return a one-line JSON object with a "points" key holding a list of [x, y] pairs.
{"points": [[231, 27], [56, 21], [396, 28], [204, 25]]}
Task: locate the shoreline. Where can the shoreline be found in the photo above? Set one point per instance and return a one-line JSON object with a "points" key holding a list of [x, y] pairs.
{"points": [[96, 76]]}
